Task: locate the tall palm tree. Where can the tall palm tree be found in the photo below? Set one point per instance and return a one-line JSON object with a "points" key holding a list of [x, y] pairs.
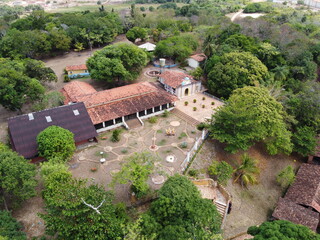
{"points": [[247, 172]]}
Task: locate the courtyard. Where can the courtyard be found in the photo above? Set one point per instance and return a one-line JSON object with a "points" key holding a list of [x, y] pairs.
{"points": [[170, 152]]}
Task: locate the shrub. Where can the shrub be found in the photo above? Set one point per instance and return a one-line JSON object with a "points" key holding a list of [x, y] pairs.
{"points": [[165, 113], [151, 8], [212, 103], [124, 151], [66, 78], [162, 142], [203, 106], [286, 177], [182, 135], [186, 103], [194, 100], [153, 119], [202, 126], [142, 9], [222, 171], [204, 98], [183, 145], [193, 172], [194, 108], [115, 137]]}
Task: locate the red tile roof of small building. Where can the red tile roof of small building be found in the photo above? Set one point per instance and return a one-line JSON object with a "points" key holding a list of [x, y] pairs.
{"points": [[122, 101], [306, 188], [23, 132], [76, 67], [199, 57], [175, 79], [290, 211], [74, 89]]}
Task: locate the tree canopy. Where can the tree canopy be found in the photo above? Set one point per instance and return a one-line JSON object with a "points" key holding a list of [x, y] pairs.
{"points": [[235, 70], [251, 115], [20, 81], [68, 210], [117, 64], [282, 230], [56, 143], [137, 32], [10, 228], [181, 213], [177, 48], [17, 178]]}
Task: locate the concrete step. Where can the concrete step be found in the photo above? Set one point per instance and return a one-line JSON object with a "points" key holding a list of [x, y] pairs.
{"points": [[185, 117], [133, 123]]}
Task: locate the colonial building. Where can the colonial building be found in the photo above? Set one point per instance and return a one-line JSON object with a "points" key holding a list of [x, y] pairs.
{"points": [[179, 83], [24, 129], [114, 107], [301, 204], [194, 61], [76, 71]]}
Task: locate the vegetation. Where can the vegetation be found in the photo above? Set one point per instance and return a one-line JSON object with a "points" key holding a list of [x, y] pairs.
{"points": [[283, 230], [136, 170], [68, 210], [177, 48], [56, 144], [10, 228], [116, 134], [137, 32], [153, 119], [222, 171], [286, 177], [117, 64], [250, 116], [247, 171], [180, 212], [17, 179]]}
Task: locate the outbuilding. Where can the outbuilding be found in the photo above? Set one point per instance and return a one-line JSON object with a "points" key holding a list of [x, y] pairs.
{"points": [[76, 71]]}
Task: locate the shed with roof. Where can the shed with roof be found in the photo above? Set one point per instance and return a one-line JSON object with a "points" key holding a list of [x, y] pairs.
{"points": [[196, 60], [24, 129], [179, 83], [77, 71]]}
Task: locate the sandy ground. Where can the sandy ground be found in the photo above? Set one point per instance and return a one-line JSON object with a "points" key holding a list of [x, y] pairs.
{"points": [[203, 104], [254, 205]]}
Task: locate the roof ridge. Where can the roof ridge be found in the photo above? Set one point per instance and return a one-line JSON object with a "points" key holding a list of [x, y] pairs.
{"points": [[26, 114]]}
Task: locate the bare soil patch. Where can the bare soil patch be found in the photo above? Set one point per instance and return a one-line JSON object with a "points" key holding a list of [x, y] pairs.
{"points": [[253, 205]]}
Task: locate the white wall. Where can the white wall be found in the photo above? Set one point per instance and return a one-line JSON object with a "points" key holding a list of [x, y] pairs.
{"points": [[193, 63]]}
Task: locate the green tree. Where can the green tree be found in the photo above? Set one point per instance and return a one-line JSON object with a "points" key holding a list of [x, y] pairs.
{"points": [[37, 69], [177, 48], [56, 143], [251, 115], [16, 86], [282, 230], [17, 178], [136, 171], [235, 70], [221, 170], [137, 32], [181, 213], [49, 100], [117, 64], [247, 171], [77, 210], [10, 228], [304, 140], [286, 176]]}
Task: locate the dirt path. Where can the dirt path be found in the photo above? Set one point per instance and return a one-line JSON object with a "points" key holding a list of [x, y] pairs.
{"points": [[59, 63]]}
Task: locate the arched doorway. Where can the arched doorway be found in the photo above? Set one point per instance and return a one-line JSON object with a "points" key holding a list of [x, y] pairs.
{"points": [[186, 92]]}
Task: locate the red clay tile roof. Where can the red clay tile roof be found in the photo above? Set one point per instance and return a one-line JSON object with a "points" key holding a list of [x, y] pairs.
{"points": [[288, 210], [74, 89], [199, 57], [23, 132], [76, 67], [175, 79], [306, 188], [122, 101]]}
